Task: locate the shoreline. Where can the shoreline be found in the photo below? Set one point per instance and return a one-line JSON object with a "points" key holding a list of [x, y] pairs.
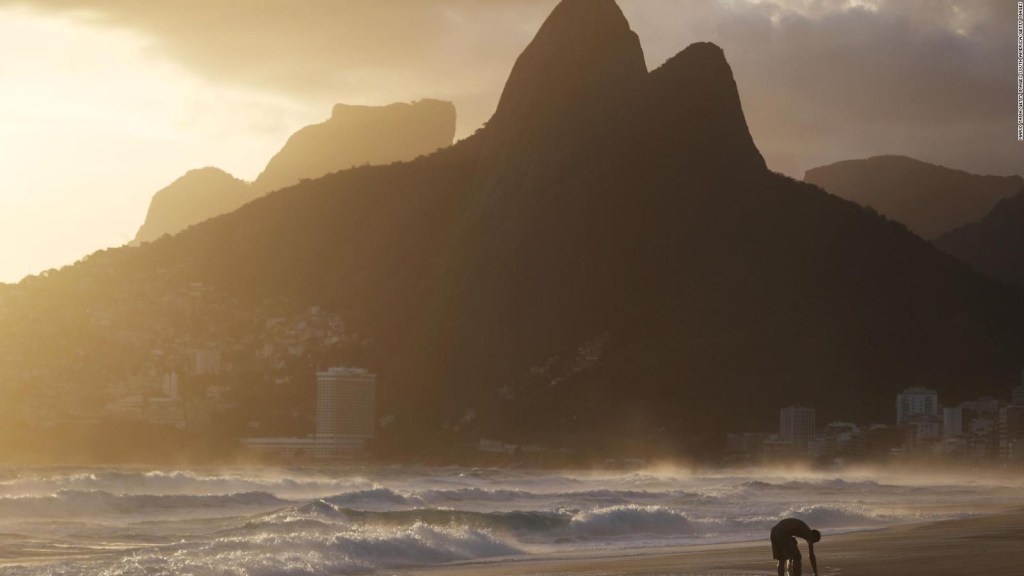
{"points": [[988, 544]]}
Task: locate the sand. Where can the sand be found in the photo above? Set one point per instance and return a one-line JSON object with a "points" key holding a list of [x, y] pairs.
{"points": [[988, 545]]}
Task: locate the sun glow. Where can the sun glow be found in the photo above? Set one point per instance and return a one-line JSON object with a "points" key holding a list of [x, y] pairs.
{"points": [[94, 120]]}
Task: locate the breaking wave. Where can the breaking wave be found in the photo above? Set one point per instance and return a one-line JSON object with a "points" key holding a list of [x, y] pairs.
{"points": [[612, 521], [631, 520], [301, 553], [825, 516], [73, 503], [336, 521]]}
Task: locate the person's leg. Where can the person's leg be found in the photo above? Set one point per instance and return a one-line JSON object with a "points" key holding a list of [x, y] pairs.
{"points": [[782, 568], [796, 569]]}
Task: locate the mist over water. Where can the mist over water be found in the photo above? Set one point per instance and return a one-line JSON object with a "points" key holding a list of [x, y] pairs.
{"points": [[317, 522]]}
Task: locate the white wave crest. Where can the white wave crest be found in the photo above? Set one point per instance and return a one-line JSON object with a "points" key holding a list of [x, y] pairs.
{"points": [[834, 516], [630, 519], [75, 503], [302, 553]]}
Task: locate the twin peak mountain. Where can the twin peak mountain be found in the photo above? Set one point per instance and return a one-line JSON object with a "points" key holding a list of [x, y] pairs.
{"points": [[608, 261]]}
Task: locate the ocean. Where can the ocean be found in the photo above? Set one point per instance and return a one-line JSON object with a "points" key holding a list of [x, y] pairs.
{"points": [[263, 522]]}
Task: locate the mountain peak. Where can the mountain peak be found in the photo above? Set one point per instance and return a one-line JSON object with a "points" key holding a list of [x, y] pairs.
{"points": [[583, 56], [356, 135], [198, 195], [342, 111], [707, 54], [697, 110], [597, 15]]}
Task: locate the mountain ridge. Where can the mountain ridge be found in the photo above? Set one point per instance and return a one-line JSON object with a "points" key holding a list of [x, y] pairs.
{"points": [[995, 244], [356, 135], [353, 135], [630, 274], [930, 199]]}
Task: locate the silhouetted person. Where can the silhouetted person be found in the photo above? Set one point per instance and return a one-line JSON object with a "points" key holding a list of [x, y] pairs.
{"points": [[784, 547]]}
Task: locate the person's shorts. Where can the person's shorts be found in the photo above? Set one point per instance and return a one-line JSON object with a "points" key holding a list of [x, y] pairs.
{"points": [[784, 547]]}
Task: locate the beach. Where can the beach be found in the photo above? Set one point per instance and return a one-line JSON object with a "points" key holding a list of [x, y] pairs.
{"points": [[991, 544]]}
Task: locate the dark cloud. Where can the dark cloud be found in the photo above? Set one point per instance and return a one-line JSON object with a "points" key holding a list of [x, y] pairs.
{"points": [[928, 80], [821, 80]]}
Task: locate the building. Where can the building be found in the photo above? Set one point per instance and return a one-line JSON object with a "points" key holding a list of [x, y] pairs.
{"points": [[952, 422], [985, 406], [981, 424], [346, 412], [170, 385], [1017, 396], [745, 445], [1011, 434], [205, 362], [915, 402], [280, 448], [839, 439], [796, 425], [917, 410]]}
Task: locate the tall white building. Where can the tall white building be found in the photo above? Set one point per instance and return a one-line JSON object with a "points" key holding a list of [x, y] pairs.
{"points": [[796, 425], [170, 385], [918, 408], [913, 403], [346, 410]]}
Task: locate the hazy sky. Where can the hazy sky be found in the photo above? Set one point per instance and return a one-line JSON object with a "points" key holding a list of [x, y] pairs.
{"points": [[103, 102]]}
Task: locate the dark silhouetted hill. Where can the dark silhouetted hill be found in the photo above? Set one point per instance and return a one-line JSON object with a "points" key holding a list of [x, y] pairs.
{"points": [[608, 265], [993, 245], [353, 136], [929, 199]]}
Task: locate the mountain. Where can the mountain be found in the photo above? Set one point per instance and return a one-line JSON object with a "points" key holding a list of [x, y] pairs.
{"points": [[929, 199], [607, 265], [995, 244], [354, 135], [196, 196]]}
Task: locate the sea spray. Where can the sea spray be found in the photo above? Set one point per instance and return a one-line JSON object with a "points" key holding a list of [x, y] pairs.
{"points": [[318, 522]]}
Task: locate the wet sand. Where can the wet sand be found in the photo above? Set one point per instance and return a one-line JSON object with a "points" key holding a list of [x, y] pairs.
{"points": [[989, 545]]}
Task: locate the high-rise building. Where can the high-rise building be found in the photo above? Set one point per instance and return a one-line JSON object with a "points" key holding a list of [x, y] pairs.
{"points": [[1017, 397], [952, 422], [915, 402], [345, 410], [1011, 433], [205, 362], [918, 408], [796, 425]]}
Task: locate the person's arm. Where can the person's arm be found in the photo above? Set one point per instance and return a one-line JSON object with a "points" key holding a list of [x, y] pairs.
{"points": [[814, 561]]}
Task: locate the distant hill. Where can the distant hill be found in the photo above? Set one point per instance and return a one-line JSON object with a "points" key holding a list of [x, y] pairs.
{"points": [[196, 196], [929, 199], [354, 135], [995, 244], [607, 264]]}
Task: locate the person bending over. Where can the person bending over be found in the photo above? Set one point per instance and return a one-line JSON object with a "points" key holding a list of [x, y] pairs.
{"points": [[784, 548]]}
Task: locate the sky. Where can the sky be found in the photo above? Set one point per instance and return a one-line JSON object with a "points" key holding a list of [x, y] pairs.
{"points": [[104, 102]]}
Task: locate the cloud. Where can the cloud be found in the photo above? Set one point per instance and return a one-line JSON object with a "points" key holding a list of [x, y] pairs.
{"points": [[821, 80], [356, 51], [826, 80]]}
